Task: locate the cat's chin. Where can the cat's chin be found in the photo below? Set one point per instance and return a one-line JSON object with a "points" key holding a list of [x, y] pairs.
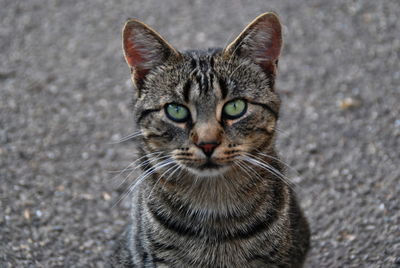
{"points": [[208, 172]]}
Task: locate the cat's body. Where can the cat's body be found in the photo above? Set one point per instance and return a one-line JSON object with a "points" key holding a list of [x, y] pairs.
{"points": [[212, 193]]}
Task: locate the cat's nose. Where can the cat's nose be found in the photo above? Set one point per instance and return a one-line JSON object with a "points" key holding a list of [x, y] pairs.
{"points": [[208, 147]]}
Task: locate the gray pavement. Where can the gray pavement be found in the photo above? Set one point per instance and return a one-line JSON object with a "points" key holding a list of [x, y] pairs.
{"points": [[65, 96]]}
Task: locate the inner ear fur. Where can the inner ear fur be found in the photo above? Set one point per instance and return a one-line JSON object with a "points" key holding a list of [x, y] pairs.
{"points": [[144, 49], [260, 41]]}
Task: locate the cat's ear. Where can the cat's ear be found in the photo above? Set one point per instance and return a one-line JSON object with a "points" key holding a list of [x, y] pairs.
{"points": [[260, 41], [144, 49]]}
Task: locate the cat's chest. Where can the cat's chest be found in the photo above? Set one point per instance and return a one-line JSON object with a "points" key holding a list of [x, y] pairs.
{"points": [[187, 252], [210, 257], [187, 240]]}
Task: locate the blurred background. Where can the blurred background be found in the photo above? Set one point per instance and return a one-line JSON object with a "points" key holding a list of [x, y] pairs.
{"points": [[65, 101]]}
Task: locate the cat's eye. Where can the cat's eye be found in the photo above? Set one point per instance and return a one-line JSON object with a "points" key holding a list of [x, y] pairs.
{"points": [[234, 109], [177, 113]]}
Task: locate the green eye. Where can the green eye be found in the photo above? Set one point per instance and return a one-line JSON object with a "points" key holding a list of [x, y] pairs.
{"points": [[176, 112], [234, 109]]}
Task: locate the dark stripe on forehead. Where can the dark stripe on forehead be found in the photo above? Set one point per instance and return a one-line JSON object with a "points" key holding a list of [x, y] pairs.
{"points": [[212, 61], [211, 80], [193, 63], [200, 82], [203, 75], [186, 90], [223, 86], [202, 72]]}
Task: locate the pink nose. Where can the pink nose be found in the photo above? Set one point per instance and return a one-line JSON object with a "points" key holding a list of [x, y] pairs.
{"points": [[208, 147]]}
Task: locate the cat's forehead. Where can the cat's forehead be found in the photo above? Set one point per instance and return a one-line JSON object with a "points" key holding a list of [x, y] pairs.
{"points": [[201, 80], [205, 77]]}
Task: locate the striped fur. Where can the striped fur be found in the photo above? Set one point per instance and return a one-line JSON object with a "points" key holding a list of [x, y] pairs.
{"points": [[234, 208]]}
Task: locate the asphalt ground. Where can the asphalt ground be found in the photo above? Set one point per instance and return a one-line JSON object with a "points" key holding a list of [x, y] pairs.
{"points": [[65, 99]]}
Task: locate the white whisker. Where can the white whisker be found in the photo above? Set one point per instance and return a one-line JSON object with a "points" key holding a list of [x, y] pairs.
{"points": [[128, 137], [284, 132], [243, 167], [280, 161], [160, 177], [143, 176], [252, 159], [131, 169]]}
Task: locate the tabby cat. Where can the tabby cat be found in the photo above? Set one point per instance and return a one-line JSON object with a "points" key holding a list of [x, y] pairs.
{"points": [[212, 192]]}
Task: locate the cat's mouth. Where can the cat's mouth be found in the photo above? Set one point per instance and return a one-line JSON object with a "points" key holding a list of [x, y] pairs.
{"points": [[209, 165], [209, 169]]}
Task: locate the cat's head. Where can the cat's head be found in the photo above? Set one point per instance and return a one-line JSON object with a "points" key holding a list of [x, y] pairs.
{"points": [[204, 110]]}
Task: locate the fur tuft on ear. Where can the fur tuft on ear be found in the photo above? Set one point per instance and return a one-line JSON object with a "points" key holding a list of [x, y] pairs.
{"points": [[260, 41], [144, 49]]}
